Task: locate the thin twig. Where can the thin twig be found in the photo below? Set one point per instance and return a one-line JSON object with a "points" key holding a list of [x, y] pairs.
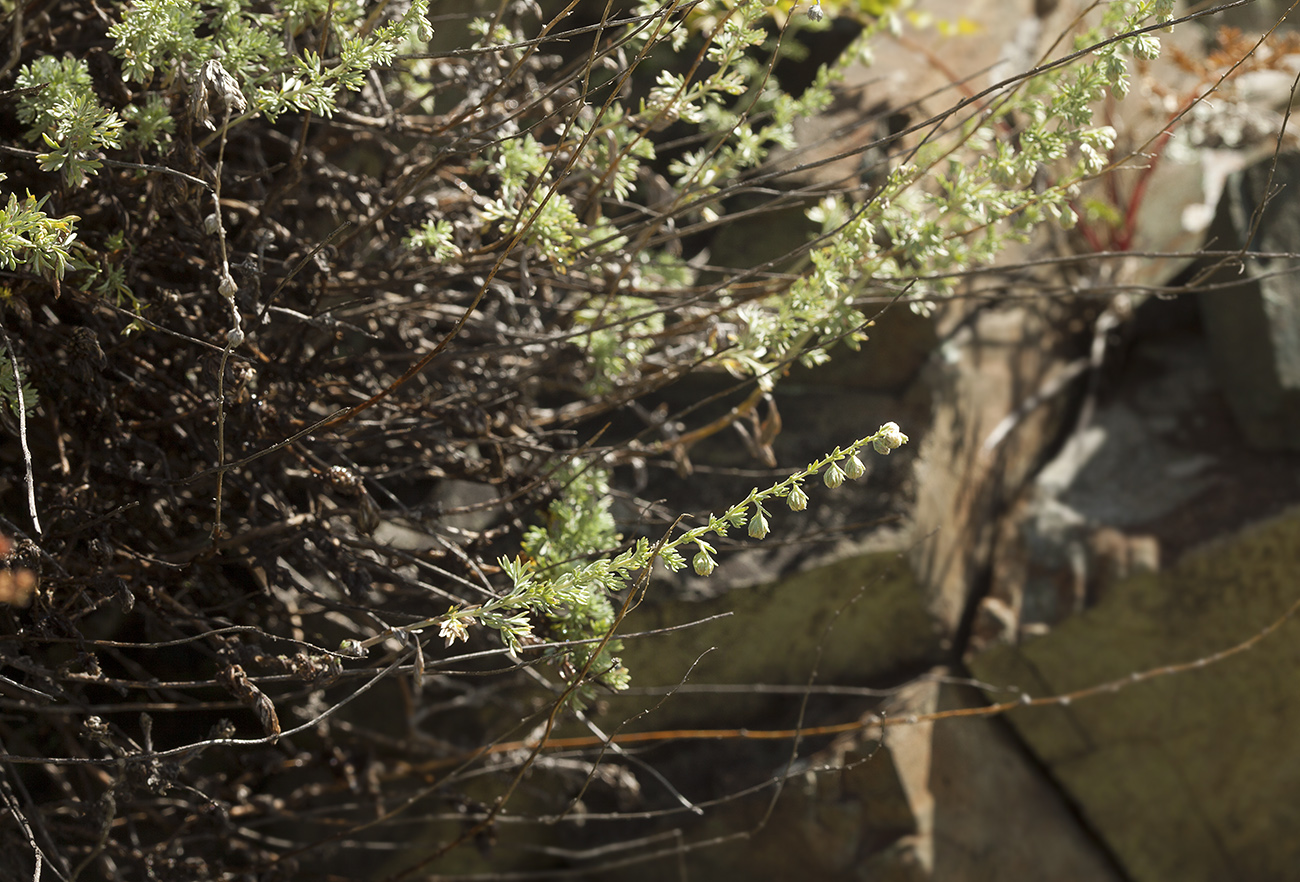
{"points": [[22, 428], [11, 802]]}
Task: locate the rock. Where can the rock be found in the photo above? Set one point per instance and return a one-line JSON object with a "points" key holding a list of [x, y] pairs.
{"points": [[985, 370], [1253, 320], [933, 801], [1190, 776], [853, 621], [1093, 515], [983, 812]]}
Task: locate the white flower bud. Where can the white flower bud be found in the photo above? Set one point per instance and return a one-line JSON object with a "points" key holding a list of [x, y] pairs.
{"points": [[815, 11], [235, 337], [797, 500], [888, 438], [704, 564], [833, 476], [854, 468], [227, 286]]}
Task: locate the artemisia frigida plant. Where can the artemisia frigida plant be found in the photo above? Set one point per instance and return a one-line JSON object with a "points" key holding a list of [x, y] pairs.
{"points": [[314, 313]]}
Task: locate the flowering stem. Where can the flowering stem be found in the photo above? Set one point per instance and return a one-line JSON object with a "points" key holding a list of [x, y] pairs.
{"points": [[529, 592]]}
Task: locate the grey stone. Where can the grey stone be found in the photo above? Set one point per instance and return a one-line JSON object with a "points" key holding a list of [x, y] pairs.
{"points": [[1252, 319], [952, 801], [991, 363], [853, 621], [1190, 776]]}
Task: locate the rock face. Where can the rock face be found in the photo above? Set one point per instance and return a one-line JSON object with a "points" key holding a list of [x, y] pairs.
{"points": [[992, 363], [983, 813], [951, 800], [858, 620], [1191, 776], [1122, 554], [1092, 516], [1252, 316], [1116, 556]]}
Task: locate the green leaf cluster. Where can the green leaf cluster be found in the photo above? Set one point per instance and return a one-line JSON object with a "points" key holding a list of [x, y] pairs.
{"points": [[163, 45], [34, 240]]}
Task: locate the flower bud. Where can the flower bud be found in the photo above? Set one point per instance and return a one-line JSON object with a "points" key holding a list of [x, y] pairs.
{"points": [[854, 468], [888, 438], [758, 525], [704, 564], [833, 476], [815, 11], [797, 500]]}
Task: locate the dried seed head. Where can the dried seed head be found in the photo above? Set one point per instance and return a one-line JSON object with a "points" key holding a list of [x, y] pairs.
{"points": [[216, 93]]}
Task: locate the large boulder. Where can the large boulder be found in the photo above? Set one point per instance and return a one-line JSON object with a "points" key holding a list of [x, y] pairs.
{"points": [[1252, 307], [1191, 775]]}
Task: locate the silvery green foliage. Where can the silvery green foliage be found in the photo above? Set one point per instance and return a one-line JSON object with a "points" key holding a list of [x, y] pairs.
{"points": [[166, 43], [568, 578], [162, 41], [33, 239], [957, 201], [171, 38], [961, 197], [62, 113], [436, 237]]}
